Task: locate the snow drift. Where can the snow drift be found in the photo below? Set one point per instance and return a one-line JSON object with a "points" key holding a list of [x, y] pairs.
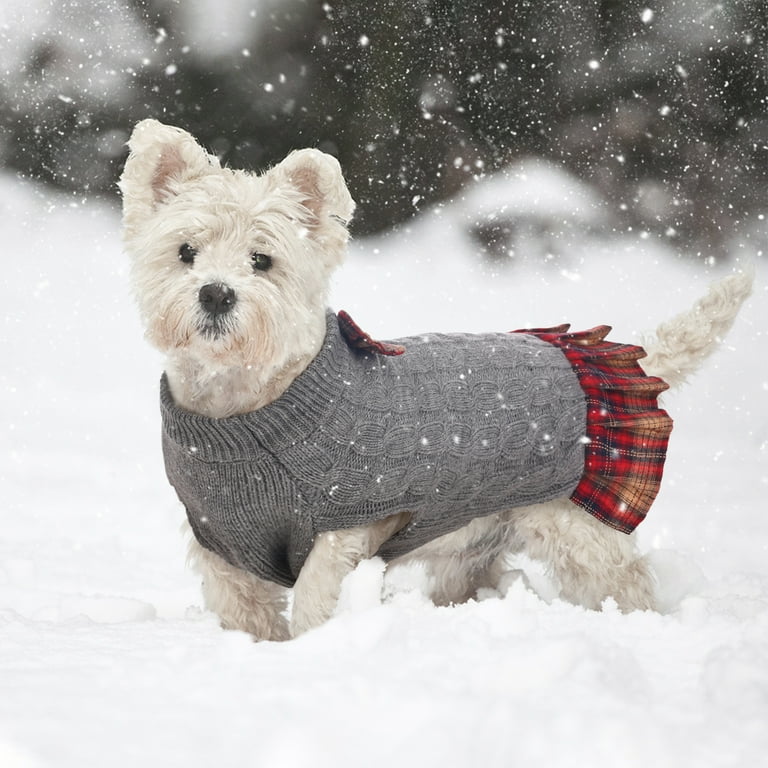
{"points": [[106, 657]]}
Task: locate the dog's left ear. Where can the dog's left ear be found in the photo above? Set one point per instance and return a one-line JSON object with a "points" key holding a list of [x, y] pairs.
{"points": [[161, 159], [317, 176]]}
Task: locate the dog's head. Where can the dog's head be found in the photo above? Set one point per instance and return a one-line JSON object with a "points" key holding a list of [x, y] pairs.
{"points": [[230, 267]]}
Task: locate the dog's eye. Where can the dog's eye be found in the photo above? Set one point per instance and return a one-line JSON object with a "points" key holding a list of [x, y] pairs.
{"points": [[187, 253], [261, 262]]}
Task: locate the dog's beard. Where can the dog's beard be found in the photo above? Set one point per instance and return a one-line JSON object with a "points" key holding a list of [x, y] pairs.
{"points": [[204, 336], [213, 329], [243, 337], [226, 339], [258, 333]]}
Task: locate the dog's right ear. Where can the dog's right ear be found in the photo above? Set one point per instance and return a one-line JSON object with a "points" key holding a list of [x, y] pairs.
{"points": [[161, 159], [317, 177]]}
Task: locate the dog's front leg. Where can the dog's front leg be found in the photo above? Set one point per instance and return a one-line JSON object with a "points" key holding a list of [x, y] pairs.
{"points": [[335, 554], [240, 599]]}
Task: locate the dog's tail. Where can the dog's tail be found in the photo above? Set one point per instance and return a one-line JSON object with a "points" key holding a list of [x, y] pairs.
{"points": [[683, 343]]}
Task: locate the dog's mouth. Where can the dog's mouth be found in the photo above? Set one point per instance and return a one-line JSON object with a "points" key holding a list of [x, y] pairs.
{"points": [[214, 328]]}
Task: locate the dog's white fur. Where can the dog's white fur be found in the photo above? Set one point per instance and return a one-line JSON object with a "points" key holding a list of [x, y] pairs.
{"points": [[297, 212]]}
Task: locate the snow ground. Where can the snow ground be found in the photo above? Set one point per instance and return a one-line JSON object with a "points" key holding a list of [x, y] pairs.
{"points": [[106, 657]]}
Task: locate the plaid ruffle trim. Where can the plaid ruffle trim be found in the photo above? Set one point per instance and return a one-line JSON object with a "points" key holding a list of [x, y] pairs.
{"points": [[626, 430]]}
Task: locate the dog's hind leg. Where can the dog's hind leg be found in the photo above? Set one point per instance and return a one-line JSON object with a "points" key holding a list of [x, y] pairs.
{"points": [[240, 599], [463, 561], [335, 554], [589, 560]]}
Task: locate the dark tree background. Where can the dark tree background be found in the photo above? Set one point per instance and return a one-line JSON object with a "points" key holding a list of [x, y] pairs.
{"points": [[663, 105]]}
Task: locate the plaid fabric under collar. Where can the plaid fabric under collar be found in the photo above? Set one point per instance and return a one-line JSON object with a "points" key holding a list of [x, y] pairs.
{"points": [[627, 431]]}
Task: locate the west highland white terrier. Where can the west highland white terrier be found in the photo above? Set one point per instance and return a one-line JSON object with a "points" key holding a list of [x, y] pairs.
{"points": [[300, 446]]}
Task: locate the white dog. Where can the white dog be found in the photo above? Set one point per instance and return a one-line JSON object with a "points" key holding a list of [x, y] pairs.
{"points": [[300, 446]]}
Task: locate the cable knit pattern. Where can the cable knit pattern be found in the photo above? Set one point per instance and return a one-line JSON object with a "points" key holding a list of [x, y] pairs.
{"points": [[459, 426]]}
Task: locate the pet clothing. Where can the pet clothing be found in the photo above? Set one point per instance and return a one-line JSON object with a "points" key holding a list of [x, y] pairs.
{"points": [[446, 427]]}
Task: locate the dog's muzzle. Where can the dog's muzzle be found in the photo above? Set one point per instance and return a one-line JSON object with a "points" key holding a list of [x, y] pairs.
{"points": [[216, 301]]}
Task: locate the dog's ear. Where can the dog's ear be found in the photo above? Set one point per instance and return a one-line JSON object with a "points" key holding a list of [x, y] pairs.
{"points": [[318, 178], [161, 159]]}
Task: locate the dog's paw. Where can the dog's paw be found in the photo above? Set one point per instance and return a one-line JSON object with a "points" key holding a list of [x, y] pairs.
{"points": [[305, 618], [312, 606]]}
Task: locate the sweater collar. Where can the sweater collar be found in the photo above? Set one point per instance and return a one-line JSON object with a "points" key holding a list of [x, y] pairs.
{"points": [[291, 418]]}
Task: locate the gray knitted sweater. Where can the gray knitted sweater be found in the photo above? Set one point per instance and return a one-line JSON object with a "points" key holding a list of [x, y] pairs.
{"points": [[460, 426]]}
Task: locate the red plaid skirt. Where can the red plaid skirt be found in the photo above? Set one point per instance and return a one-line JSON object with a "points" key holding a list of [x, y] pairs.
{"points": [[627, 432]]}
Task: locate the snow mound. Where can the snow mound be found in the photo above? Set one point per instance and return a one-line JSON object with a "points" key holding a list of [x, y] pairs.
{"points": [[106, 657]]}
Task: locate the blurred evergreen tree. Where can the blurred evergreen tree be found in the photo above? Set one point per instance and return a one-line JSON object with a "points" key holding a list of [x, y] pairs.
{"points": [[663, 105]]}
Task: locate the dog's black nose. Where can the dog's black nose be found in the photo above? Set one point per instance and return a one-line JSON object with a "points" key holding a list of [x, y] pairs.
{"points": [[216, 299]]}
